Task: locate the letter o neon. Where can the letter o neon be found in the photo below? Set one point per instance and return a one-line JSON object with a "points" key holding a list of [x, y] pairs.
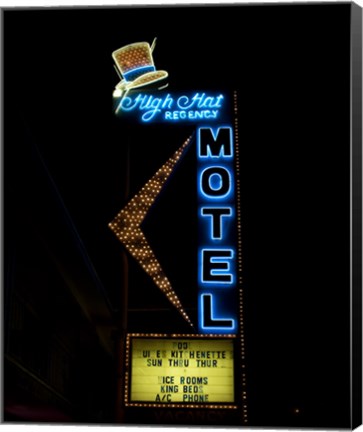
{"points": [[214, 188]]}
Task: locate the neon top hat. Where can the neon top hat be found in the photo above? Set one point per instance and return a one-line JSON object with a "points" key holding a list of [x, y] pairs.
{"points": [[136, 66]]}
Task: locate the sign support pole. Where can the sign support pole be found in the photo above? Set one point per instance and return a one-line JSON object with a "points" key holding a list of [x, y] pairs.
{"points": [[122, 320]]}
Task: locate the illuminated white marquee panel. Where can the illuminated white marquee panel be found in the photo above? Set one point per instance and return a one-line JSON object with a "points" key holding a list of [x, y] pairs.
{"points": [[180, 370]]}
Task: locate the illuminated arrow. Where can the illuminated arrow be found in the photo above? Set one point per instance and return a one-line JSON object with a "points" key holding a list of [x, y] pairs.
{"points": [[126, 226]]}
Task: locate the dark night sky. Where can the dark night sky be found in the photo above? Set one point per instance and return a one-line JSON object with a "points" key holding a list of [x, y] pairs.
{"points": [[290, 66]]}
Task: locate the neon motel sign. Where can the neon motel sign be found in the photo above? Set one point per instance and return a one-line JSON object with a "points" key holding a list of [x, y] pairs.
{"points": [[216, 217], [217, 310], [184, 370]]}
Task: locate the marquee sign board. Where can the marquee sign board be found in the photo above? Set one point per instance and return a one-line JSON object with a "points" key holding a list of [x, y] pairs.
{"points": [[180, 371]]}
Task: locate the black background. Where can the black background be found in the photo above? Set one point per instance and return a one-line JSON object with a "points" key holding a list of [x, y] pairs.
{"points": [[290, 66]]}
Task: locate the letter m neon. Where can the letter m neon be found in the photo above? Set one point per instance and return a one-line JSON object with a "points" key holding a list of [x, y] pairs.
{"points": [[215, 144]]}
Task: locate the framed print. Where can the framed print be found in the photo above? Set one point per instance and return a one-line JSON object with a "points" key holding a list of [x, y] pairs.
{"points": [[182, 215]]}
